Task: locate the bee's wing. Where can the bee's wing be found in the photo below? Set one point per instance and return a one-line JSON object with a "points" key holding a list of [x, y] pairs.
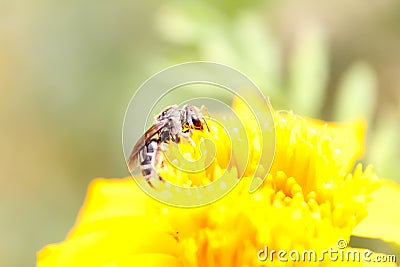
{"points": [[151, 132]]}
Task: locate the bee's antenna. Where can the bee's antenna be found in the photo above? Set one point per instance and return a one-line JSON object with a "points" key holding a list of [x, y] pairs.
{"points": [[203, 110], [208, 128]]}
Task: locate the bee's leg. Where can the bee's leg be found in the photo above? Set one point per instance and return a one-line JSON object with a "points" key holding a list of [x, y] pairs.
{"points": [[161, 147], [149, 182], [147, 172], [188, 138], [158, 159]]}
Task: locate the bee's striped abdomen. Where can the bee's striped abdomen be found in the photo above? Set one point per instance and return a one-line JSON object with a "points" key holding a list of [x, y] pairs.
{"points": [[147, 156]]}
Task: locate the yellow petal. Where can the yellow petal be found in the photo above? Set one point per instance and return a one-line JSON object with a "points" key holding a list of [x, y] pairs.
{"points": [[108, 198], [112, 226], [383, 220], [108, 243]]}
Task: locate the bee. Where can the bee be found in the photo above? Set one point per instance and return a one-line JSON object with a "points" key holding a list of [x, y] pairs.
{"points": [[169, 126]]}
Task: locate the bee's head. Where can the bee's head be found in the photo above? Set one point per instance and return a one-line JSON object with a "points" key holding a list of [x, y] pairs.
{"points": [[192, 119]]}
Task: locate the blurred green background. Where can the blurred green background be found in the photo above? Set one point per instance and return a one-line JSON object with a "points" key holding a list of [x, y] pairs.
{"points": [[69, 68]]}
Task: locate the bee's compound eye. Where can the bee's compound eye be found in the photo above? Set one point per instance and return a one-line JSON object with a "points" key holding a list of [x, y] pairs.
{"points": [[197, 124]]}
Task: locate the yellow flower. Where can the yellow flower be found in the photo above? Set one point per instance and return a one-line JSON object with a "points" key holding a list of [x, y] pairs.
{"points": [[311, 199], [195, 161]]}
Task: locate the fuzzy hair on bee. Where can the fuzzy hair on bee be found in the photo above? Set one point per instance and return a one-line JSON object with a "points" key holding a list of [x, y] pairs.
{"points": [[169, 126]]}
